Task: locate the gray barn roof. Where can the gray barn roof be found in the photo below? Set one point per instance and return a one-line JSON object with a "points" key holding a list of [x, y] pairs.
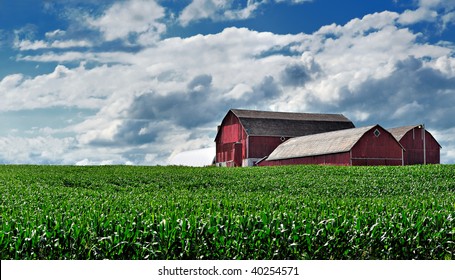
{"points": [[263, 123], [319, 144], [400, 132], [253, 114]]}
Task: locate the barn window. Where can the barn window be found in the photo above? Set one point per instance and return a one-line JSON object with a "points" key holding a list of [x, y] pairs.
{"points": [[376, 132], [282, 138]]}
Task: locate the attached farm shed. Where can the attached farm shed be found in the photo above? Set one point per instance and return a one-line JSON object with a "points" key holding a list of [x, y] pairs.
{"points": [[246, 136], [420, 146], [372, 145]]}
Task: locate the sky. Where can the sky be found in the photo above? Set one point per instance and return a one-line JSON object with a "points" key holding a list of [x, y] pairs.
{"points": [[146, 82]]}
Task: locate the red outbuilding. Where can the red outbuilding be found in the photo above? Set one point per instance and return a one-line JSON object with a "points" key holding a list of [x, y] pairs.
{"points": [[246, 136], [420, 146], [372, 145]]}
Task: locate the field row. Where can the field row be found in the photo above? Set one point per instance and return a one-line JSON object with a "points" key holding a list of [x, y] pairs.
{"points": [[293, 212]]}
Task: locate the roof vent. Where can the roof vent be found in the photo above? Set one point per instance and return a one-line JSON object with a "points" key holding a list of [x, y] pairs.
{"points": [[376, 132]]}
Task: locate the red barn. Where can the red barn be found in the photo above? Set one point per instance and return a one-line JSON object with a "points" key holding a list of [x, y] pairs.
{"points": [[246, 136], [420, 146], [372, 145]]}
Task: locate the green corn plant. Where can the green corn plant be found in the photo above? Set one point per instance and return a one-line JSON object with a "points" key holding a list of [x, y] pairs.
{"points": [[286, 212]]}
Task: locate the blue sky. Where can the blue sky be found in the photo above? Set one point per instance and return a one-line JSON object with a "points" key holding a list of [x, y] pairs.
{"points": [[147, 82]]}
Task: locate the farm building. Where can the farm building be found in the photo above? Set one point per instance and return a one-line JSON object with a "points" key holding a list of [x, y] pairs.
{"points": [[372, 145], [420, 146], [246, 136]]}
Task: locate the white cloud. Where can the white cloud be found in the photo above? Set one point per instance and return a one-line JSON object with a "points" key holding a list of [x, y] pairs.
{"points": [[84, 162], [132, 17], [26, 45], [53, 150], [55, 33], [24, 40], [408, 108], [97, 161], [167, 99], [359, 116], [440, 11], [447, 4], [39, 149], [414, 16], [215, 10], [220, 10], [448, 19], [445, 64], [445, 139], [78, 56], [77, 87], [10, 82], [70, 44], [232, 57], [200, 157], [29, 45], [361, 50], [293, 1], [239, 90]]}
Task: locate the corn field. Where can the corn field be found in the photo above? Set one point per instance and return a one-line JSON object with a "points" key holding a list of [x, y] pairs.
{"points": [[286, 212]]}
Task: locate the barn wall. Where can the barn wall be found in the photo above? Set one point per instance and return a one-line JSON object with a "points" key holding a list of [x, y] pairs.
{"points": [[331, 159], [261, 146], [233, 137], [376, 161], [373, 150], [231, 133], [369, 150], [238, 154], [412, 141]]}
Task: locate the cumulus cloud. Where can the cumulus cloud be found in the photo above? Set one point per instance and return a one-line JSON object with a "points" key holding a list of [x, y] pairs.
{"points": [[448, 19], [174, 92], [57, 150], [434, 4], [421, 14], [151, 116], [440, 11], [220, 10], [131, 18], [410, 94], [215, 10], [362, 50], [76, 87], [299, 73], [40, 150], [168, 97]]}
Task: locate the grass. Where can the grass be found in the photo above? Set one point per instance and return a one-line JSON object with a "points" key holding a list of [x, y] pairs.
{"points": [[287, 212]]}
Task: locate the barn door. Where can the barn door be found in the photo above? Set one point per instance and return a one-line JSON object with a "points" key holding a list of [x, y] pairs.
{"points": [[238, 154]]}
